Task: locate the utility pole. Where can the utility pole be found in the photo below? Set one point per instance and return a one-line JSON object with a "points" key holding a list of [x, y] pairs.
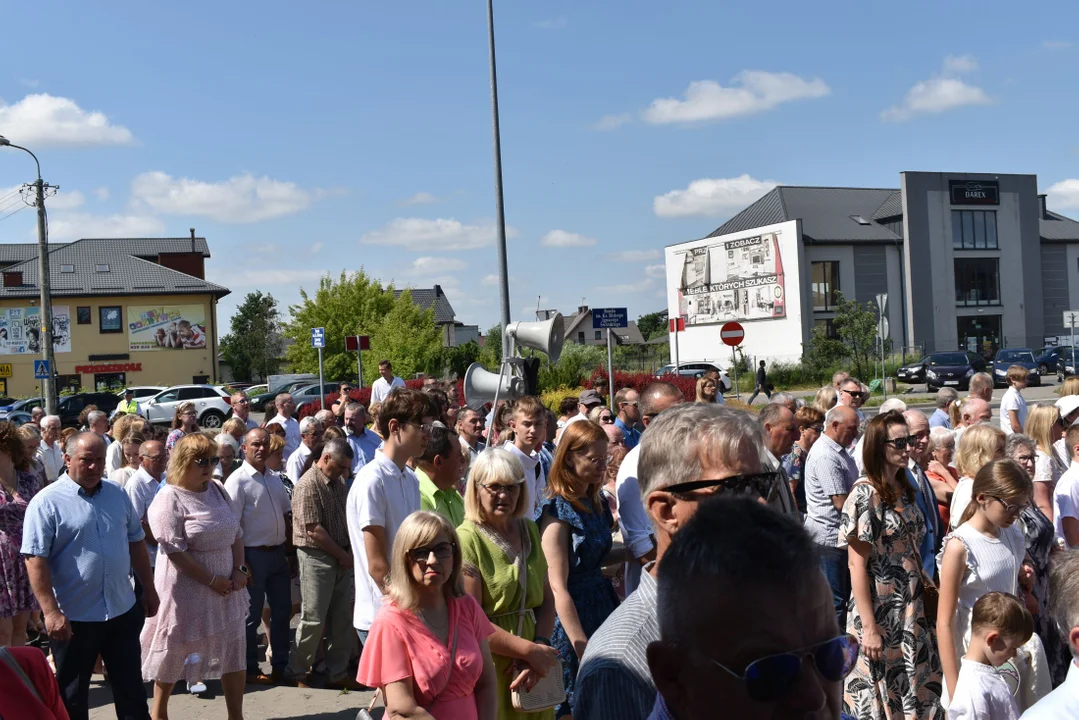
{"points": [[500, 210]]}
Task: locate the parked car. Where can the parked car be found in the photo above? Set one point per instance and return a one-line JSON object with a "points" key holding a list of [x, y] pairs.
{"points": [[71, 406], [1015, 356], [913, 373], [211, 404], [258, 402], [696, 369], [18, 417], [1065, 364], [142, 392], [952, 369], [1047, 358], [21, 405], [305, 395], [257, 389]]}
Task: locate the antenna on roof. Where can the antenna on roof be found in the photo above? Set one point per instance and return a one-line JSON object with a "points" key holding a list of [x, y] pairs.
{"points": [[538, 299], [192, 239]]}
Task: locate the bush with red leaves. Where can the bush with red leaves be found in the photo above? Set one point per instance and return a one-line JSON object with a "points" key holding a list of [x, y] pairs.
{"points": [[363, 397], [638, 381]]}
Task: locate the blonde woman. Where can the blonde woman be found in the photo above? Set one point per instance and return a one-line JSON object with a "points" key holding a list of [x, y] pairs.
{"points": [[706, 390], [114, 455], [980, 445], [1070, 386], [826, 398], [1044, 427], [129, 445], [500, 544], [427, 648]]}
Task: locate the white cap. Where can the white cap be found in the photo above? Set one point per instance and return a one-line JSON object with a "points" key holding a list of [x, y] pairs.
{"points": [[1067, 405]]}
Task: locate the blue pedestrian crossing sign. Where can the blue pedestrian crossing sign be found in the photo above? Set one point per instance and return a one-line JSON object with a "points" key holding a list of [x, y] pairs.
{"points": [[318, 337], [41, 370]]}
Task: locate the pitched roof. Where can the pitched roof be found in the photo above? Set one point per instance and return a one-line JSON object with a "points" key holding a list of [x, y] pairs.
{"points": [[425, 298], [1058, 227], [129, 271], [629, 335], [892, 207]]}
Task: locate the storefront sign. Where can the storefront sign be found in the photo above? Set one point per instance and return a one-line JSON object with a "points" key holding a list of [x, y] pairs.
{"points": [[166, 327], [124, 367], [975, 192], [5, 370]]}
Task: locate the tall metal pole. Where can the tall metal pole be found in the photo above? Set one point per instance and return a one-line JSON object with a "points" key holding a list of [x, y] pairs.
{"points": [[48, 386], [500, 211], [359, 364], [321, 384], [610, 374]]}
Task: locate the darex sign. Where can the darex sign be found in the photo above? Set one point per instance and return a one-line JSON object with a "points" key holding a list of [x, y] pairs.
{"points": [[975, 192]]}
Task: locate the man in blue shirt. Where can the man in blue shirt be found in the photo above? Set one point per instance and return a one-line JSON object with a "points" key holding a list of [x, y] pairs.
{"points": [[81, 540], [945, 397], [363, 441], [625, 404]]}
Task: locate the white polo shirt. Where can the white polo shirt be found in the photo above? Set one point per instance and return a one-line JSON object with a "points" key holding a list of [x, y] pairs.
{"points": [[52, 458], [1066, 498], [635, 523], [295, 462], [534, 475], [141, 489], [380, 388]]}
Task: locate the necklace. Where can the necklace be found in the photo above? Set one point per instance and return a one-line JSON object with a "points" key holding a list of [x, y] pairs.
{"points": [[433, 626]]}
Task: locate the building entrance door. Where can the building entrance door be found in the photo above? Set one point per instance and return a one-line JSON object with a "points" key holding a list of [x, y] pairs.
{"points": [[980, 334]]}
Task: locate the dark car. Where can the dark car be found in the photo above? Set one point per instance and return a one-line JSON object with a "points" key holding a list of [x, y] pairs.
{"points": [[21, 406], [258, 402], [1065, 364], [69, 407], [913, 373], [1047, 359], [1015, 356], [952, 369], [309, 393]]}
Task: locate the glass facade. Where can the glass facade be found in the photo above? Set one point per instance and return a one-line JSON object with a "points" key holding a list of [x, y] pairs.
{"points": [[825, 280], [977, 281], [974, 229]]}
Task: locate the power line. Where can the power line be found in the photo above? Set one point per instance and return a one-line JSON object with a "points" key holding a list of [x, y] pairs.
{"points": [[18, 209]]}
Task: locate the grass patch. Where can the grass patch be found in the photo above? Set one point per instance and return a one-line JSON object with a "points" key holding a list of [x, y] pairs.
{"points": [[876, 400]]}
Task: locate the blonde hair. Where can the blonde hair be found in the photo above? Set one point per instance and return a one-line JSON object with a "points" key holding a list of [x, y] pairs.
{"points": [[234, 425], [122, 424], [1017, 373], [826, 398], [1039, 424], [418, 529], [1070, 386], [184, 454], [500, 467], [700, 387], [977, 447], [277, 444]]}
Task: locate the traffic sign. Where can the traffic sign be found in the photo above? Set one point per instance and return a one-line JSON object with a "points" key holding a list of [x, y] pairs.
{"points": [[318, 337], [1071, 319], [41, 370], [732, 333], [355, 343], [677, 325], [609, 318]]}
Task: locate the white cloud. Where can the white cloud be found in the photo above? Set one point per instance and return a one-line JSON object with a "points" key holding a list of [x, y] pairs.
{"points": [[489, 280], [255, 278], [440, 235], [610, 122], [627, 288], [317, 247], [1056, 44], [940, 93], [240, 199], [711, 196], [420, 198], [561, 238], [73, 226], [43, 120], [430, 265], [634, 255], [755, 91], [556, 23], [102, 193], [656, 271], [1064, 194]]}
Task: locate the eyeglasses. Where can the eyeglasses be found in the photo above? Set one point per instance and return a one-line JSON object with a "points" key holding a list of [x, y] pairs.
{"points": [[816, 428], [1009, 508], [1026, 458], [441, 551], [245, 401], [854, 393], [764, 485], [902, 443], [426, 428], [770, 678], [207, 461], [629, 402], [606, 419], [498, 489]]}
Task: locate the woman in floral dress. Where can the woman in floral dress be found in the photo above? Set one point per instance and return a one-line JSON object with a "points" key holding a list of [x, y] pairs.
{"points": [[898, 674], [17, 485]]}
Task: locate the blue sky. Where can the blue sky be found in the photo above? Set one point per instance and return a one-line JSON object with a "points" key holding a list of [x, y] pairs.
{"points": [[305, 141]]}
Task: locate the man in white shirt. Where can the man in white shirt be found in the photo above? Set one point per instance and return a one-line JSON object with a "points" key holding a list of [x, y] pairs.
{"points": [[142, 487], [364, 442], [98, 423], [385, 492], [49, 451], [310, 435], [260, 501], [241, 408], [381, 388], [637, 532], [1069, 415], [470, 430], [1063, 702], [529, 423], [285, 407], [1066, 494]]}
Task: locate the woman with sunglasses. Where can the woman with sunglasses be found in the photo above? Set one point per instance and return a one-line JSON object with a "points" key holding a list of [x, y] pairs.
{"points": [[706, 390], [601, 415], [898, 673], [984, 554], [575, 526], [1045, 427], [183, 423], [199, 630], [427, 648]]}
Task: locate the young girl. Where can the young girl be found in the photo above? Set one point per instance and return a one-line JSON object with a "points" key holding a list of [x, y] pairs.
{"points": [[1044, 426], [983, 554]]}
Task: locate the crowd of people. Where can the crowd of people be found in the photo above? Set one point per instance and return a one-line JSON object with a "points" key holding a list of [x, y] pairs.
{"points": [[655, 557]]}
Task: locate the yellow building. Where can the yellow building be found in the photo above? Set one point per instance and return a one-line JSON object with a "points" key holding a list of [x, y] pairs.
{"points": [[126, 311]]}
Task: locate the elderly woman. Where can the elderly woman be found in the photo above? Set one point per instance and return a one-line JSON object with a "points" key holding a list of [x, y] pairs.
{"points": [[601, 415], [942, 476], [575, 526], [980, 445], [228, 453], [427, 649], [183, 423], [898, 673], [201, 578], [706, 389], [17, 486], [826, 398], [810, 423], [505, 571], [1045, 427], [129, 446]]}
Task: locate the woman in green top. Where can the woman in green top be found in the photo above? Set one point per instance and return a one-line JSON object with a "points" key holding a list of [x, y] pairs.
{"points": [[498, 543]]}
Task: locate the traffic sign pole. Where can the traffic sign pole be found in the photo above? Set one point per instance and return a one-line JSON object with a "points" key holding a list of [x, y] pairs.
{"points": [[318, 340], [610, 373], [321, 382], [732, 333], [610, 318]]}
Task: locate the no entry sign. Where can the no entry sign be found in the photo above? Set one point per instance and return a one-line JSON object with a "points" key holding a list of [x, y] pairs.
{"points": [[732, 334]]}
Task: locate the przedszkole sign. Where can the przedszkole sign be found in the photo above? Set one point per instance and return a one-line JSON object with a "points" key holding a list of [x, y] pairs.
{"points": [[975, 192], [122, 367]]}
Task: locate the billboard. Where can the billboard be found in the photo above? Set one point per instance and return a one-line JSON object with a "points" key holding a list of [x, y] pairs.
{"points": [[740, 279], [166, 327], [20, 330]]}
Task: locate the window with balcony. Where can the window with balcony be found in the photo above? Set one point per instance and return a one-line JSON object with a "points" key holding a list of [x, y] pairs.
{"points": [[974, 229], [977, 281], [825, 281]]}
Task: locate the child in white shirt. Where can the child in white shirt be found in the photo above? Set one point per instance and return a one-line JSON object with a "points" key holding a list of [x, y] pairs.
{"points": [[1000, 625], [1013, 407]]}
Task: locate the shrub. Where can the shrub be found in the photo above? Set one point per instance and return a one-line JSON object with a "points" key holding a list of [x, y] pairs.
{"points": [[553, 398], [362, 396]]}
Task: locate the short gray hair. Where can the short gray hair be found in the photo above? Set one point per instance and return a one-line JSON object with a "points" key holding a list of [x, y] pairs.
{"points": [[308, 422], [680, 438], [338, 449], [352, 406], [50, 420], [1063, 594], [94, 416], [36, 410], [940, 435], [225, 439], [72, 445], [326, 417], [982, 380], [892, 404], [945, 397], [1016, 440], [786, 400]]}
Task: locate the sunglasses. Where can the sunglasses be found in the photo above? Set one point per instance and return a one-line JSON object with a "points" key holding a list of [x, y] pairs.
{"points": [[855, 393], [442, 551], [606, 419], [770, 678], [764, 485], [207, 461], [902, 443]]}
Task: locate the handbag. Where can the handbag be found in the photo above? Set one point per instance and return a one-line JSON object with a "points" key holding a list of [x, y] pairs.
{"points": [[549, 692]]}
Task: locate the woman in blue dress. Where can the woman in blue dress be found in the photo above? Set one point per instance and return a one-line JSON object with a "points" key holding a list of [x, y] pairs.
{"points": [[575, 528]]}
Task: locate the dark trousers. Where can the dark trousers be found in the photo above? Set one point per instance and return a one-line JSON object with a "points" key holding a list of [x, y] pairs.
{"points": [[757, 391], [271, 583], [833, 563], [117, 642]]}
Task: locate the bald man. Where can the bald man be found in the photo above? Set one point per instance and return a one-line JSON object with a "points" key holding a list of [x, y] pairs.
{"points": [[974, 411], [981, 386]]}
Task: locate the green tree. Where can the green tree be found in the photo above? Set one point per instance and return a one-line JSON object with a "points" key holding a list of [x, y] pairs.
{"points": [[409, 338], [253, 348], [491, 352], [856, 327], [457, 359], [653, 325]]}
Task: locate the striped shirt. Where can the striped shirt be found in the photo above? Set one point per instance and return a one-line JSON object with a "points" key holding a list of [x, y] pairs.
{"points": [[614, 680], [829, 471], [85, 536]]}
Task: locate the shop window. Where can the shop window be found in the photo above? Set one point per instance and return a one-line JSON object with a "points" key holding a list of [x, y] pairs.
{"points": [[825, 280], [83, 315], [109, 319], [104, 382], [977, 281], [974, 229], [68, 384]]}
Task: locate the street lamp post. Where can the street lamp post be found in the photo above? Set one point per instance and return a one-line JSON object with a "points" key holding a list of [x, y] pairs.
{"points": [[503, 268], [48, 386]]}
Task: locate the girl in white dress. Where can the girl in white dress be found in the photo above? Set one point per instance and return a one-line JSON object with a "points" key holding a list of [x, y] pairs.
{"points": [[983, 554]]}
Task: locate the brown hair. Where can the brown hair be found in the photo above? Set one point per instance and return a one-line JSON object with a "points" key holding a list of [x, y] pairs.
{"points": [[1017, 373], [11, 445], [808, 416], [568, 405], [180, 410], [405, 405], [1004, 613], [122, 424], [1005, 479], [563, 479], [876, 435]]}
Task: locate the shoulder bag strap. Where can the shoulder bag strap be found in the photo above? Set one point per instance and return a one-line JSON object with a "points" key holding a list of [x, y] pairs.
{"points": [[9, 660], [523, 575]]}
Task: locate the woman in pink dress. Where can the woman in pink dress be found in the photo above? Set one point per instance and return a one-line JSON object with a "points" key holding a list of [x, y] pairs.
{"points": [[427, 648], [198, 632], [17, 485]]}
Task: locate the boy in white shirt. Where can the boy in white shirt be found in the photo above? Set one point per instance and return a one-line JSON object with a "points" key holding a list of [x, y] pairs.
{"points": [[1013, 408], [529, 425], [1000, 625]]}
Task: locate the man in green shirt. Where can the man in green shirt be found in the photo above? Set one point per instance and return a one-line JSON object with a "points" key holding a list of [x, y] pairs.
{"points": [[438, 470]]}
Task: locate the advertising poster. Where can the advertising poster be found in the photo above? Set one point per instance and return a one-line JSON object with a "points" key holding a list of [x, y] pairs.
{"points": [[20, 330], [166, 327], [733, 280]]}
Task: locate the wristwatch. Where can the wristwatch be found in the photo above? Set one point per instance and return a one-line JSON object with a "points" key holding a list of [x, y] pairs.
{"points": [[245, 570], [540, 640]]}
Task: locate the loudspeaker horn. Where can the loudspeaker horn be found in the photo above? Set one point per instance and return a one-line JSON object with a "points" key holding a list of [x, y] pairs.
{"points": [[481, 385], [546, 335]]}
